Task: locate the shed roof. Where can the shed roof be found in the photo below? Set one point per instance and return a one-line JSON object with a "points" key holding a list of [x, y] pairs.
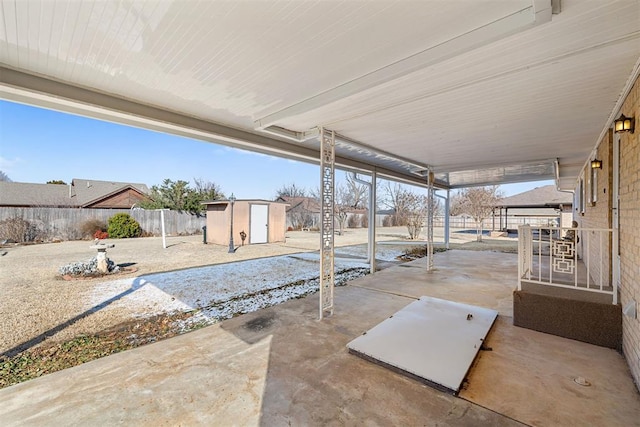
{"points": [[225, 202]]}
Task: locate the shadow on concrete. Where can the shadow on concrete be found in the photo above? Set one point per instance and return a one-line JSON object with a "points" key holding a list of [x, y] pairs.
{"points": [[311, 379], [137, 284]]}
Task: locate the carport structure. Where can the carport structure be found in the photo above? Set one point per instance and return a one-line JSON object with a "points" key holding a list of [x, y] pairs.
{"points": [[437, 93]]}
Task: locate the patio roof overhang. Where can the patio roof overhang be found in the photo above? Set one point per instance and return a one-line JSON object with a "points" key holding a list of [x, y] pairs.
{"points": [[482, 92]]}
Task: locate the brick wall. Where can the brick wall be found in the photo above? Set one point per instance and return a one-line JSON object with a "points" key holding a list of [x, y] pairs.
{"points": [[630, 231], [598, 215]]}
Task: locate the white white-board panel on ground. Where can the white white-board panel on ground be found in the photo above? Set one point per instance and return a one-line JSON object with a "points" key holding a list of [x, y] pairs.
{"points": [[433, 339]]}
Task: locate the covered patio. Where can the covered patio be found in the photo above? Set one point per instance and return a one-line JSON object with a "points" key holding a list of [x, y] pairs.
{"points": [[443, 95], [280, 366]]}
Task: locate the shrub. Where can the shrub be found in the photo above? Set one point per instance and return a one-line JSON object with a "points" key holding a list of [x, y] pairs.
{"points": [[101, 235], [123, 225], [365, 221], [89, 227], [146, 233], [17, 229], [353, 221]]}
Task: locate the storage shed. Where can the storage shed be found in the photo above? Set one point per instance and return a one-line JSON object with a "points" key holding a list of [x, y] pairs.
{"points": [[262, 221]]}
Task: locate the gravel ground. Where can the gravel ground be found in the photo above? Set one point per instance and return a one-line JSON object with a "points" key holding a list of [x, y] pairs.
{"points": [[36, 303]]}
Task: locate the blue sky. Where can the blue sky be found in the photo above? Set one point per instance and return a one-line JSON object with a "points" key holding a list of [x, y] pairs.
{"points": [[38, 145]]}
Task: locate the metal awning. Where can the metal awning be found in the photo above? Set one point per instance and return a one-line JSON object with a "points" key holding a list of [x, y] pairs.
{"points": [[480, 92]]}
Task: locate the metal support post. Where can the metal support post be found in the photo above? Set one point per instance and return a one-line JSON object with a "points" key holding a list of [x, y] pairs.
{"points": [[327, 210], [372, 222], [447, 217], [431, 204], [371, 232], [232, 248], [164, 235]]}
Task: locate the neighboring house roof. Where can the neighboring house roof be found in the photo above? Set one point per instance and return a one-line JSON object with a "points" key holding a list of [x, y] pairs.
{"points": [[80, 193], [28, 194], [547, 197], [88, 191], [385, 211], [308, 204]]}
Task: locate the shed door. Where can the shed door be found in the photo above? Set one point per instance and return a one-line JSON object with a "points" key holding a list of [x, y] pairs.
{"points": [[259, 223]]}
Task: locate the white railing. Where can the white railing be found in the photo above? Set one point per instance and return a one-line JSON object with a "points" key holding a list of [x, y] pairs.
{"points": [[568, 258]]}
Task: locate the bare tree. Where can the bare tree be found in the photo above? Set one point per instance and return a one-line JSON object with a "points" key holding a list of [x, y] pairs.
{"points": [[304, 206], [303, 213], [394, 197], [415, 214], [416, 208], [456, 204], [208, 190], [478, 202], [291, 190], [4, 177], [355, 193]]}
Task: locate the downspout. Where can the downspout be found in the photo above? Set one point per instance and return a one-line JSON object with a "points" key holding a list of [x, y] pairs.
{"points": [[447, 207], [371, 239]]}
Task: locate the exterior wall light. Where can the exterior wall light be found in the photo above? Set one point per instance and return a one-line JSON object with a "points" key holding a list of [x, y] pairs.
{"points": [[624, 124], [596, 164]]}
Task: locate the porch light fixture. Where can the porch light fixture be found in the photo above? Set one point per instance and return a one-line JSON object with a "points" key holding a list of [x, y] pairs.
{"points": [[596, 164], [624, 124]]}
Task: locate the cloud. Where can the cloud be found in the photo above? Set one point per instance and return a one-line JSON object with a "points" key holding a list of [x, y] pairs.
{"points": [[7, 165]]}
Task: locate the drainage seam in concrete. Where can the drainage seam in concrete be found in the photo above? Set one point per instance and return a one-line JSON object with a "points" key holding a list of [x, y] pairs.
{"points": [[385, 292], [494, 411]]}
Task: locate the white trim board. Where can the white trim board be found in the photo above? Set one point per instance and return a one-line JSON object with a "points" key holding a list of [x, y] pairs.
{"points": [[430, 339]]}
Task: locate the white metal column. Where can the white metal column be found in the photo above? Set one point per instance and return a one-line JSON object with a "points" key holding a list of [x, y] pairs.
{"points": [[447, 212], [327, 210], [371, 232], [446, 217], [372, 222], [431, 205]]}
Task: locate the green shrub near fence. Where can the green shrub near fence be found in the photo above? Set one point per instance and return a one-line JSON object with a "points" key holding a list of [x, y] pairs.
{"points": [[123, 225]]}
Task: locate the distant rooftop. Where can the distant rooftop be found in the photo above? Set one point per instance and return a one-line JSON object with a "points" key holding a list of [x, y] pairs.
{"points": [[547, 196], [80, 193]]}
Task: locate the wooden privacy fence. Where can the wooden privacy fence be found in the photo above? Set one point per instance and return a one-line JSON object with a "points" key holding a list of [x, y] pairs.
{"points": [[65, 223]]}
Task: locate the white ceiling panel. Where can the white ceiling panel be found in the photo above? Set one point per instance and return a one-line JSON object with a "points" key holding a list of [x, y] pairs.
{"points": [[453, 84]]}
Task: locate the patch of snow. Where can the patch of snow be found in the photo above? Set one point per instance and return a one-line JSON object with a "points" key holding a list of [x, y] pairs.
{"points": [[385, 251], [220, 291]]}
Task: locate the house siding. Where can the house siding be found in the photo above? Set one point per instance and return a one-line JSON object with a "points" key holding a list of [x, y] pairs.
{"points": [[630, 231], [597, 213], [600, 215], [122, 200]]}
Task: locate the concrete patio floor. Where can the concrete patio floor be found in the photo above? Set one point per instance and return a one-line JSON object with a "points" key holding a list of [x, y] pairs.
{"points": [[280, 366]]}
